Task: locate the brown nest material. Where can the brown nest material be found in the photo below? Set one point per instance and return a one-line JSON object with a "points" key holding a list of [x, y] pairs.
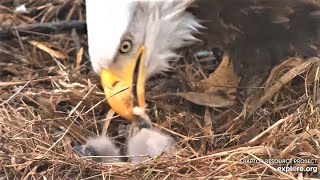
{"points": [[51, 100]]}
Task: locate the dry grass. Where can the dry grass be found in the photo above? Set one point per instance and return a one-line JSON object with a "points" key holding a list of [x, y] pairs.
{"points": [[50, 100]]}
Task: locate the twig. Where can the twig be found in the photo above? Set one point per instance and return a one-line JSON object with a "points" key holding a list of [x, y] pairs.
{"points": [[7, 33], [271, 128], [14, 95]]}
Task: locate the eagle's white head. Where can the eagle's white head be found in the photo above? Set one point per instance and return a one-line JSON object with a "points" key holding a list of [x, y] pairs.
{"points": [[130, 40]]}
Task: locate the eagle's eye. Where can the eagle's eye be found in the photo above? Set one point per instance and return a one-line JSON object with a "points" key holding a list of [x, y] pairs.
{"points": [[125, 46]]}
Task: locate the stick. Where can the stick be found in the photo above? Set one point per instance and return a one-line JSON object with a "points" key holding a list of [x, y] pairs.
{"points": [[7, 33]]}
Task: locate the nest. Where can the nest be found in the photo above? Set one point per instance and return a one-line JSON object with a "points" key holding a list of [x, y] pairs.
{"points": [[51, 100]]}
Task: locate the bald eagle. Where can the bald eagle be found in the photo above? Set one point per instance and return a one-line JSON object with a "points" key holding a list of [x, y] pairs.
{"points": [[131, 40]]}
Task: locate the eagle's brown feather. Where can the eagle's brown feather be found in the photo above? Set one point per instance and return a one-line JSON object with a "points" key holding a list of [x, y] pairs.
{"points": [[258, 34]]}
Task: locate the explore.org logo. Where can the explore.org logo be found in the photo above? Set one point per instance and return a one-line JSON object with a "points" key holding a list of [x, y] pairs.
{"points": [[287, 165], [312, 169]]}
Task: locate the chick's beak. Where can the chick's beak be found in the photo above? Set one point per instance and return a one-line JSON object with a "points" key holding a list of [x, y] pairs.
{"points": [[124, 87]]}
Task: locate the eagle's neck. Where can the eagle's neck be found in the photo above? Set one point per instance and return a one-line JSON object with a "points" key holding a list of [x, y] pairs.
{"points": [[167, 27]]}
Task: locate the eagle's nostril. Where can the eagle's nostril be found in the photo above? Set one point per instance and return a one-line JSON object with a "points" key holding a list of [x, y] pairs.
{"points": [[114, 83]]}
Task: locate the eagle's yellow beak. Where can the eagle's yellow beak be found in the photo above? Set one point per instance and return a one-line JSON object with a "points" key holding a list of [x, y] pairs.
{"points": [[124, 87]]}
